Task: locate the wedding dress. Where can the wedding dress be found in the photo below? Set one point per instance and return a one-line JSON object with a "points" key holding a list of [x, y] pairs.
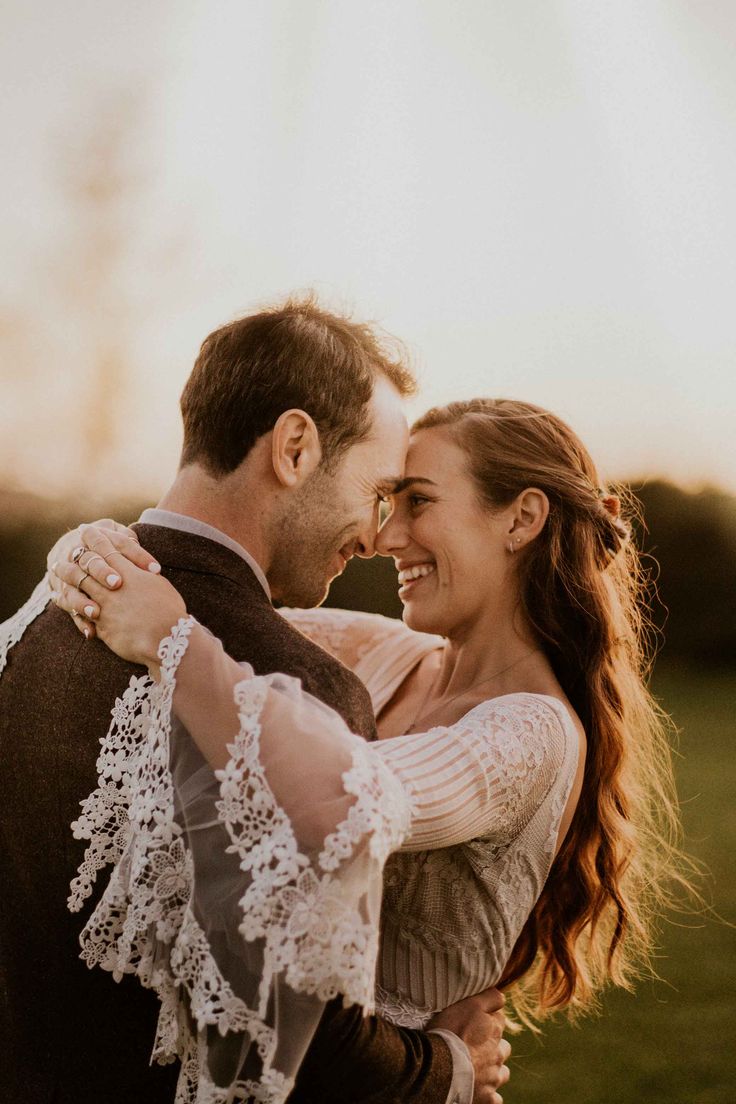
{"points": [[252, 839], [489, 795]]}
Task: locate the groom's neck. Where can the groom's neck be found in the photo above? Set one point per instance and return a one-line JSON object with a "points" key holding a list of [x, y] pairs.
{"points": [[229, 503]]}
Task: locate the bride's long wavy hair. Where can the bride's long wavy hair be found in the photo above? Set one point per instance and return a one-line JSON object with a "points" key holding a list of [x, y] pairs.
{"points": [[583, 591]]}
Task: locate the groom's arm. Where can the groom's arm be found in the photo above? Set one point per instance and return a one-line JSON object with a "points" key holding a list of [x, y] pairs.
{"points": [[360, 1059], [366, 1060]]}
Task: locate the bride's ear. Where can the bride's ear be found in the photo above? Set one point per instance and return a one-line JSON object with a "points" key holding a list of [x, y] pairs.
{"points": [[295, 449], [529, 514]]}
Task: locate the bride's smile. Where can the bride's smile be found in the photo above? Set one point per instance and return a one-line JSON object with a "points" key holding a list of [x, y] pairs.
{"points": [[411, 574], [450, 546]]}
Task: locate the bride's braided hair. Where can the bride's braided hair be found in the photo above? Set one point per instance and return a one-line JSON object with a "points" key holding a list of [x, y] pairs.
{"points": [[583, 592]]}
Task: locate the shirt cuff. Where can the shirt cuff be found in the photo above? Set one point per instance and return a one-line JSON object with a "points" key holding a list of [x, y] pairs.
{"points": [[463, 1074]]}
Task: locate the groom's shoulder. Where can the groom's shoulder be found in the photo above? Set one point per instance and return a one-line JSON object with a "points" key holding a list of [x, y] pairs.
{"points": [[222, 591], [219, 587]]}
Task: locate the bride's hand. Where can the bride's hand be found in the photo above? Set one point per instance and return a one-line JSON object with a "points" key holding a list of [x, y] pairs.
{"points": [[132, 618], [62, 581]]}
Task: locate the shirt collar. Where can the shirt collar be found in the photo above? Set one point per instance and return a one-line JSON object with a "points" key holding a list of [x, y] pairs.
{"points": [[186, 524]]}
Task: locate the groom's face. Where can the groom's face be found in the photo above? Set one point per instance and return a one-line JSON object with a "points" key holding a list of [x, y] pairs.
{"points": [[335, 515]]}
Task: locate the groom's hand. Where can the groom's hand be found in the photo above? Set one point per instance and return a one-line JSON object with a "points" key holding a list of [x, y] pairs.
{"points": [[479, 1022]]}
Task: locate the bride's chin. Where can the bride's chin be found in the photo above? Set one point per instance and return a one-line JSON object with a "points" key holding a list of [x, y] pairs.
{"points": [[420, 620]]}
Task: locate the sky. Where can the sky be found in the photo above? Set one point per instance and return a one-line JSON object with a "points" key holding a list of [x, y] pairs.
{"points": [[536, 197]]}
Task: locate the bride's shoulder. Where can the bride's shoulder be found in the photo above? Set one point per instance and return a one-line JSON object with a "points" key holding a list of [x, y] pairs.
{"points": [[537, 726]]}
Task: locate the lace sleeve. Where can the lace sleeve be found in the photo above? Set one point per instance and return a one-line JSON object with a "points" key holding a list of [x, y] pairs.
{"points": [[12, 630], [346, 634], [249, 836], [485, 776]]}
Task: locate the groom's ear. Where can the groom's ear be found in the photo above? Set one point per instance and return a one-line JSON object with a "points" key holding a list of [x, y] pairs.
{"points": [[295, 449]]}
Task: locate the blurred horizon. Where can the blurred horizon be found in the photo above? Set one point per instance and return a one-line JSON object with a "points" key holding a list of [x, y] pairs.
{"points": [[535, 198]]}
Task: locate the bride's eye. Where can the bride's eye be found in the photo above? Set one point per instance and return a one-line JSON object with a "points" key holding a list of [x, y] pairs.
{"points": [[417, 500]]}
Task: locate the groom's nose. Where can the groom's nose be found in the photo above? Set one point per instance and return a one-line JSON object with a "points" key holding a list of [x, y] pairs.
{"points": [[365, 547], [365, 542]]}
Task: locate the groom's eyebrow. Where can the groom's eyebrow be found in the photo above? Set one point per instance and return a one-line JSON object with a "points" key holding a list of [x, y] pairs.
{"points": [[410, 481], [385, 487]]}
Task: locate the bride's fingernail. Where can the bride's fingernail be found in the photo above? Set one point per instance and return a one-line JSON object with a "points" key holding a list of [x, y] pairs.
{"points": [[89, 611], [112, 580], [155, 568]]}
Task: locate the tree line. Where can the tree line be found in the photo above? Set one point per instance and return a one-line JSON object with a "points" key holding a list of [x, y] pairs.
{"points": [[689, 541]]}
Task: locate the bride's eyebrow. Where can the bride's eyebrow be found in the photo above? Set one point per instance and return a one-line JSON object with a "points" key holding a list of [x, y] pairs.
{"points": [[411, 481]]}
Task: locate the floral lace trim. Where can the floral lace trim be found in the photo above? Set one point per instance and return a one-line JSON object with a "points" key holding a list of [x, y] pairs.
{"points": [[375, 788], [130, 822], [401, 1010], [196, 1087], [104, 820], [312, 932], [12, 630]]}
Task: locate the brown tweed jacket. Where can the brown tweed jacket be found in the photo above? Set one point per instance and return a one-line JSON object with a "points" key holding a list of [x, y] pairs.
{"points": [[69, 1035]]}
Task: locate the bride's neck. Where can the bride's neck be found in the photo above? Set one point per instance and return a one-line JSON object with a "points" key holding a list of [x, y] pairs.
{"points": [[482, 651]]}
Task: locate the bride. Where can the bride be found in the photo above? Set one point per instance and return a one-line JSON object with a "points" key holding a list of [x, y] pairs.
{"points": [[515, 824]]}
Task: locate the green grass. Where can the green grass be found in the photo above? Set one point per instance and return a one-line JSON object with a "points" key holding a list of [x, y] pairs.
{"points": [[674, 1040]]}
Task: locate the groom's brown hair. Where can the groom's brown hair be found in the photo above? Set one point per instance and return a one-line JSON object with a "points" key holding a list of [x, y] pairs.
{"points": [[295, 355]]}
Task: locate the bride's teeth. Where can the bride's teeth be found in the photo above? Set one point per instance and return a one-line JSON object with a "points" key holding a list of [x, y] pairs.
{"points": [[418, 571]]}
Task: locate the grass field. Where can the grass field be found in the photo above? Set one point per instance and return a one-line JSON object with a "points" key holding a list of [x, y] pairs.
{"points": [[673, 1041]]}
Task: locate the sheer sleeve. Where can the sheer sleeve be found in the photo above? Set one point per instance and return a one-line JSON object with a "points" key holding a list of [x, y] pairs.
{"points": [[248, 829], [486, 775], [346, 634], [12, 630]]}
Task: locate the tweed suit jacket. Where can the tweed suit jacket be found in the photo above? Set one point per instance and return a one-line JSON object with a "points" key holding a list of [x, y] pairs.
{"points": [[70, 1035]]}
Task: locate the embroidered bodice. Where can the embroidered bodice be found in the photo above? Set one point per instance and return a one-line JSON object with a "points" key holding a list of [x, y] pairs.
{"points": [[492, 789]]}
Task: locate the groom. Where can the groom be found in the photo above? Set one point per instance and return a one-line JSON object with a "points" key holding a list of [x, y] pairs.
{"points": [[293, 431]]}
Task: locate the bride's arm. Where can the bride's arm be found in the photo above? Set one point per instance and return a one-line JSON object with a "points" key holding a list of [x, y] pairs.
{"points": [[480, 776], [305, 748], [348, 635]]}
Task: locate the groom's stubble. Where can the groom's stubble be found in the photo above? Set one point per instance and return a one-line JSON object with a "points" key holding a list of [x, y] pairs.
{"points": [[306, 539]]}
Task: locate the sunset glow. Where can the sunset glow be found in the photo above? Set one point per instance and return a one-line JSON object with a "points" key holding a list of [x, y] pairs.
{"points": [[537, 198]]}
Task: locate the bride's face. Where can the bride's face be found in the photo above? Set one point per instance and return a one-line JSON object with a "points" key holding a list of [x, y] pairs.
{"points": [[450, 549]]}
